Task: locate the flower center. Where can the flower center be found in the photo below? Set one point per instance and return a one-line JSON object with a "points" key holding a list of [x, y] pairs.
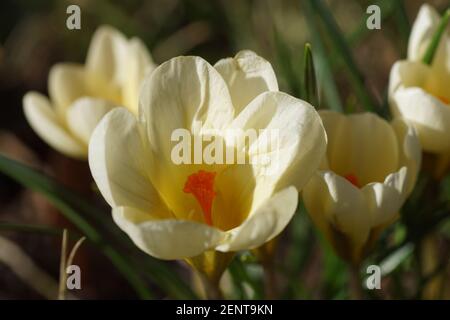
{"points": [[353, 180], [201, 185]]}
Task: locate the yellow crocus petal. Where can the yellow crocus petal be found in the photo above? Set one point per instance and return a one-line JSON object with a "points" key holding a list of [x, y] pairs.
{"points": [[360, 144], [352, 202], [419, 93], [107, 54], [264, 223], [139, 63], [385, 199], [48, 125], [184, 92], [430, 116], [168, 239], [84, 115], [335, 205], [410, 151], [300, 146], [247, 75], [66, 83], [113, 74], [423, 29], [119, 164]]}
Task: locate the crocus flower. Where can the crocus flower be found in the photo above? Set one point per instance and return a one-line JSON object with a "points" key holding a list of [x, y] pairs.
{"points": [[420, 93], [80, 95], [369, 170], [187, 211]]}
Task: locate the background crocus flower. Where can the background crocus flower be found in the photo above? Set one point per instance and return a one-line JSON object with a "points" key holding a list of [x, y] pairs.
{"points": [[80, 95], [369, 170], [420, 93], [194, 211]]}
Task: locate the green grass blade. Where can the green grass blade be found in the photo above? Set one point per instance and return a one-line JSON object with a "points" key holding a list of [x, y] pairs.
{"points": [[310, 92], [323, 66], [432, 47], [343, 51]]}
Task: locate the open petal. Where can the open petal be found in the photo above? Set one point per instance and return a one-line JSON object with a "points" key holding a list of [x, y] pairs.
{"points": [[167, 239], [184, 92], [119, 164], [139, 63], [406, 74], [385, 199], [332, 200], [422, 31], [84, 115], [46, 123], [290, 144], [263, 224], [362, 145], [69, 82], [247, 75], [107, 54], [430, 116], [410, 151]]}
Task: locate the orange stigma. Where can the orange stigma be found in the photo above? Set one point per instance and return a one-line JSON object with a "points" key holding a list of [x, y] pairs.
{"points": [[353, 180], [201, 185], [443, 99]]}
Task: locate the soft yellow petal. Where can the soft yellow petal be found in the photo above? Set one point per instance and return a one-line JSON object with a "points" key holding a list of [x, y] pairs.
{"points": [[410, 151], [69, 82], [385, 199], [406, 74], [66, 83], [429, 115], [84, 115], [49, 127], [184, 92], [363, 145], [422, 31], [139, 64], [331, 200], [167, 239], [119, 164], [263, 224], [247, 75], [295, 150], [107, 54]]}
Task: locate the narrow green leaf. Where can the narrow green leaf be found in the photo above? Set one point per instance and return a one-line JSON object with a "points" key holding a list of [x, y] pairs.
{"points": [[432, 47], [323, 66], [310, 92], [343, 51]]}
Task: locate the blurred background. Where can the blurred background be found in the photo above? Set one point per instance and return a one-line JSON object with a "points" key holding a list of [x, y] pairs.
{"points": [[33, 37]]}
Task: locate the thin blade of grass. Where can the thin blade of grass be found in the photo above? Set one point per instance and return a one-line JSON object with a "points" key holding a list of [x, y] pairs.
{"points": [[432, 47], [343, 51], [310, 92], [323, 66]]}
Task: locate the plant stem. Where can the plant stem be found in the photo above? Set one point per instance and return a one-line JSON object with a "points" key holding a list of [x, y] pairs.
{"points": [[356, 290]]}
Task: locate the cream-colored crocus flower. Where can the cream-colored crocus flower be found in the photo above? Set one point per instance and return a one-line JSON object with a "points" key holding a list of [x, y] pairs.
{"points": [[420, 93], [80, 95], [369, 170], [193, 211]]}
